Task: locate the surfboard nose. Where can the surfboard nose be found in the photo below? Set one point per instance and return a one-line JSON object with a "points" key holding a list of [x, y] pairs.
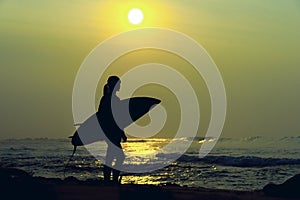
{"points": [[157, 101]]}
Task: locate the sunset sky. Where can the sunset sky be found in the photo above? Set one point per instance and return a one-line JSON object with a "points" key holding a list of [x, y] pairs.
{"points": [[254, 43]]}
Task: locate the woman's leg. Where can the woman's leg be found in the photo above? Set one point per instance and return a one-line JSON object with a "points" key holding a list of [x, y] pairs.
{"points": [[108, 163], [120, 157]]}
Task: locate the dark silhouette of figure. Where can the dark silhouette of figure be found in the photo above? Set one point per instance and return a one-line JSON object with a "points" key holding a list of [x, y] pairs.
{"points": [[112, 131]]}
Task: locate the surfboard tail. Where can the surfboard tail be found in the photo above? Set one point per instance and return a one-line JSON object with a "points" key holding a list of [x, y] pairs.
{"points": [[76, 141]]}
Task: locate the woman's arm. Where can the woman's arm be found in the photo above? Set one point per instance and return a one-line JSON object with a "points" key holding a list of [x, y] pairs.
{"points": [[124, 137]]}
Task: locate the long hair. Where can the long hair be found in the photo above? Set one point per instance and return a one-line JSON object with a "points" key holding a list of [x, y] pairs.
{"points": [[106, 90], [109, 86]]}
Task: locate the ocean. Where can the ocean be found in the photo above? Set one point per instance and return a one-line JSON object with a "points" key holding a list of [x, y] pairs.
{"points": [[234, 163]]}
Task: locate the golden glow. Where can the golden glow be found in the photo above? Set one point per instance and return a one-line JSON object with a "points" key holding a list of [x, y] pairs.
{"points": [[150, 180], [135, 16], [133, 148], [113, 17]]}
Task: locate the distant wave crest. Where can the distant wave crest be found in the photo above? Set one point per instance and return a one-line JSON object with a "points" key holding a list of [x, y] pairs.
{"points": [[241, 161]]}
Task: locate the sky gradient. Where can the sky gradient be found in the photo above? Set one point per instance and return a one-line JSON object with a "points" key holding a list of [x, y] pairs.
{"points": [[254, 43]]}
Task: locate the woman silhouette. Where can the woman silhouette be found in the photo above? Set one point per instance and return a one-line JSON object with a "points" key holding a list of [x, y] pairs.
{"points": [[112, 131]]}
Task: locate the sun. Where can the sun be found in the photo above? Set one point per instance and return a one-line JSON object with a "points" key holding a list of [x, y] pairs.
{"points": [[135, 16]]}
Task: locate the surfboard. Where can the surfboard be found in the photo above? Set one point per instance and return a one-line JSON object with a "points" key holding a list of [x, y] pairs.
{"points": [[127, 111]]}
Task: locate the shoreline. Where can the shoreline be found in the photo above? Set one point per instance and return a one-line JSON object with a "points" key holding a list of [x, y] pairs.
{"points": [[17, 184]]}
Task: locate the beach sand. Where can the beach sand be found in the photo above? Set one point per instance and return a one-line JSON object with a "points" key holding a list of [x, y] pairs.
{"points": [[17, 184], [132, 192]]}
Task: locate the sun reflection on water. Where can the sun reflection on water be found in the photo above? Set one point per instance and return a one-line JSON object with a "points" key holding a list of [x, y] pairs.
{"points": [[142, 148], [147, 179]]}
